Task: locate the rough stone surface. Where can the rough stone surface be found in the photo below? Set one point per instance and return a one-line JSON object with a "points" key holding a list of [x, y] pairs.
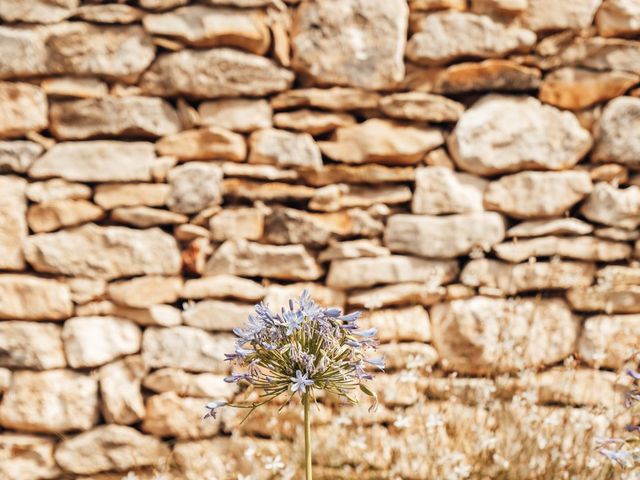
{"points": [[37, 11], [145, 291], [120, 390], [610, 146], [421, 107], [222, 286], [50, 216], [23, 108], [27, 456], [194, 186], [17, 156], [552, 226], [613, 206], [211, 143], [313, 122], [206, 385], [543, 15], [609, 340], [57, 189], [603, 298], [237, 114], [13, 208], [31, 345], [618, 18], [581, 248], [180, 417], [335, 98], [217, 315], [26, 297], [284, 149], [440, 190]]}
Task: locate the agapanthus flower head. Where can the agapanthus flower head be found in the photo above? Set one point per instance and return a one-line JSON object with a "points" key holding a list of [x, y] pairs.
{"points": [[300, 350]]}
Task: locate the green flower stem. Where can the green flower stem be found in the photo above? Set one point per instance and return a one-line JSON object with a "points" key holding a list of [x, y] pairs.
{"points": [[307, 437]]}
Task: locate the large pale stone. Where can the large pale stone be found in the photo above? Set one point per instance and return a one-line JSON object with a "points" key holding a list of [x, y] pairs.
{"points": [[237, 223], [543, 15], [109, 13], [381, 141], [24, 297], [180, 417], [360, 44], [57, 189], [50, 216], [605, 298], [335, 98], [367, 272], [444, 237], [120, 390], [145, 217], [156, 315], [394, 295], [13, 222], [204, 385], [31, 345], [265, 191], [94, 341], [219, 72], [399, 324], [611, 146], [217, 315], [442, 190], [74, 87], [609, 340], [37, 11], [145, 291], [98, 161], [222, 286], [537, 194], [278, 296], [444, 37], [552, 226], [17, 156], [186, 347], [76, 48], [110, 447], [53, 401], [502, 134], [408, 355], [599, 53], [313, 122], [240, 257], [368, 174], [618, 18], [27, 456], [353, 249], [333, 198], [23, 109], [203, 26], [612, 206], [284, 149], [581, 248], [210, 143], [113, 117], [194, 187], [104, 252], [237, 114], [524, 277], [114, 195], [421, 107], [619, 275], [484, 335]]}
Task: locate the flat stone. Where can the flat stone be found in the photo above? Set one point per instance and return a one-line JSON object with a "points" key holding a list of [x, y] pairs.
{"points": [[110, 13], [599, 53], [421, 107], [222, 286], [335, 98], [97, 161], [188, 348], [115, 195], [25, 297], [17, 156], [120, 390], [261, 172], [37, 11], [94, 341], [340, 196], [205, 385], [619, 275], [142, 292], [353, 249], [552, 226], [368, 174], [609, 341], [400, 294], [444, 237], [31, 345], [194, 187], [408, 355], [429, 5], [470, 334], [605, 298], [265, 191], [618, 18], [501, 134], [541, 15], [65, 400], [284, 149], [367, 272], [210, 143], [610, 146], [278, 296], [56, 214], [526, 277], [84, 290], [57, 189], [537, 194], [162, 4], [217, 315], [442, 190], [23, 109], [104, 252], [73, 87], [27, 456], [581, 387], [399, 324], [145, 217], [244, 258], [578, 88], [237, 114], [493, 7], [109, 447], [381, 141], [203, 26], [219, 72], [314, 122], [180, 417], [156, 315], [113, 117], [613, 206], [334, 55], [13, 211], [444, 37], [580, 248], [240, 222]]}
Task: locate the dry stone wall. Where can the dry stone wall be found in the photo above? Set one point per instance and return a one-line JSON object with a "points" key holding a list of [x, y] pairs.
{"points": [[463, 171]]}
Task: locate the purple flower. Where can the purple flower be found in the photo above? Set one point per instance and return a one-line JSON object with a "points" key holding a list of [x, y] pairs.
{"points": [[236, 377], [213, 407], [367, 333], [377, 362], [294, 321], [633, 374], [300, 382]]}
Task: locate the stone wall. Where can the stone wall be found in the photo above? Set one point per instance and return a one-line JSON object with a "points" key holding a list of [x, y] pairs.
{"points": [[462, 171]]}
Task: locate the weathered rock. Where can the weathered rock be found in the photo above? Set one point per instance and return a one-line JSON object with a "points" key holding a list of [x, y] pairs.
{"points": [[94, 341], [268, 192], [619, 275], [163, 4], [31, 345], [444, 237], [552, 226], [581, 248], [340, 196], [115, 195], [493, 7], [109, 13], [284, 149], [618, 18], [237, 223], [428, 5], [57, 189], [537, 194], [103, 252], [109, 447], [180, 417], [313, 122], [353, 249], [219, 72], [13, 209], [194, 187], [605, 298], [277, 296], [261, 172], [120, 390], [421, 107], [23, 108], [27, 456], [17, 156], [222, 286], [444, 37], [501, 134], [484, 335], [145, 217], [64, 400], [98, 161], [612, 206], [381, 141], [37, 11], [56, 214], [401, 324], [578, 88], [145, 291], [24, 297], [441, 190], [609, 340], [186, 347], [156, 315], [217, 315], [367, 272], [610, 146], [334, 55], [582, 387], [367, 174], [84, 290], [5, 379], [335, 98], [74, 87], [237, 114], [543, 15], [240, 257], [408, 355], [397, 295], [525, 277], [203, 26], [206, 385], [208, 143]]}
